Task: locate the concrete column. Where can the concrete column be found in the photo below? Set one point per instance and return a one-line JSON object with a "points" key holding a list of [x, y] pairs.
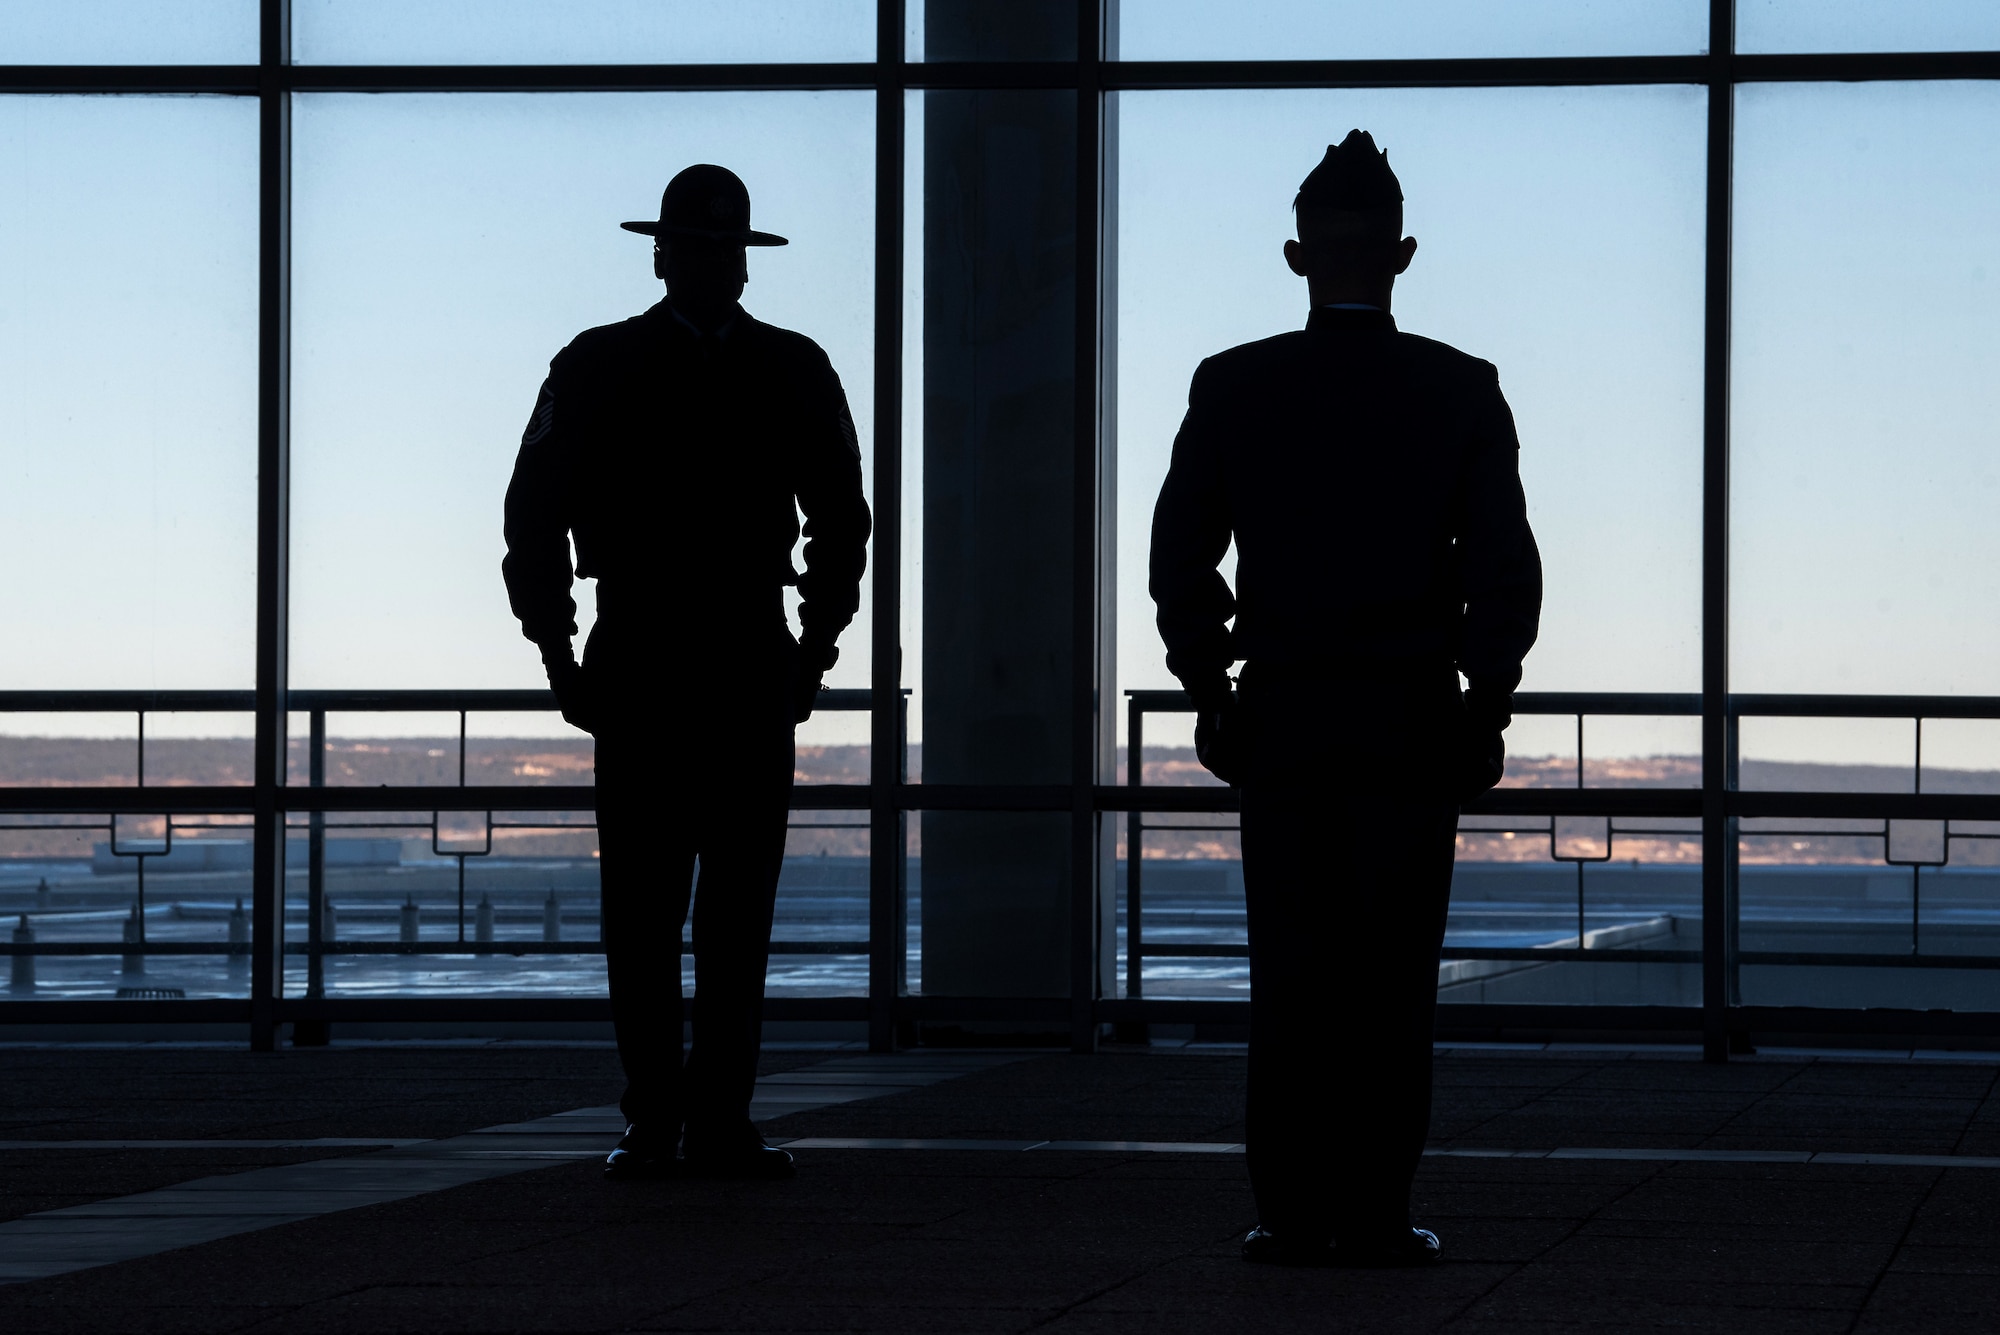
{"points": [[999, 442]]}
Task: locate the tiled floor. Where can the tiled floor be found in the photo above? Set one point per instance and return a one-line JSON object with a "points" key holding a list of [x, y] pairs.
{"points": [[1055, 1239]]}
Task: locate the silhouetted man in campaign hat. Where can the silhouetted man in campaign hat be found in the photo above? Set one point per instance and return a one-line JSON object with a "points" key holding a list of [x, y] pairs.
{"points": [[677, 449], [1369, 479]]}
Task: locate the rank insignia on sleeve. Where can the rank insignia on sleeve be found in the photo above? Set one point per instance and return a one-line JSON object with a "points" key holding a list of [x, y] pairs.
{"points": [[847, 436], [543, 420]]}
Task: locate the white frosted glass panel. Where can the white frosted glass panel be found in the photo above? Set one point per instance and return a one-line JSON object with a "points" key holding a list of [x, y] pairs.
{"points": [[1412, 29], [1560, 235], [594, 32], [128, 32], [1864, 453], [1867, 25], [128, 367], [445, 248]]}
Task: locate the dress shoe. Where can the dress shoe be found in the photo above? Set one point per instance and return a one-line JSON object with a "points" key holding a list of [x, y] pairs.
{"points": [[1266, 1248], [739, 1163], [1397, 1249], [640, 1156]]}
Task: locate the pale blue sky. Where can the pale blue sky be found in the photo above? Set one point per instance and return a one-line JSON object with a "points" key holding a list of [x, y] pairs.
{"points": [[1866, 450], [517, 31], [128, 371], [1409, 29], [445, 247], [1578, 272], [128, 32]]}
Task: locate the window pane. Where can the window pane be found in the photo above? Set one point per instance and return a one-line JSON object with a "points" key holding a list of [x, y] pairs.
{"points": [[128, 364], [989, 29], [582, 32], [1573, 911], [129, 32], [1353, 30], [1866, 25], [163, 897], [1864, 474], [1576, 269], [445, 247]]}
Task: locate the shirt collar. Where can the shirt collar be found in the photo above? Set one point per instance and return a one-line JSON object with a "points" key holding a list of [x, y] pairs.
{"points": [[721, 335], [1351, 317]]}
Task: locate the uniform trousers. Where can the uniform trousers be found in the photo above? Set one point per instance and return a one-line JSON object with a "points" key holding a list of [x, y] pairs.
{"points": [[684, 783], [1348, 840]]}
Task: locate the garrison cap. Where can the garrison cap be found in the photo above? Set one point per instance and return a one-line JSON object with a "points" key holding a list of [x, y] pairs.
{"points": [[1353, 176], [706, 201]]}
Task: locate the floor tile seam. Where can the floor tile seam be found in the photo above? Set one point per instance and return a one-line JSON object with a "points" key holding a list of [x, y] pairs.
{"points": [[265, 1223], [1584, 1069], [1114, 1286], [1509, 1272], [1626, 1230], [541, 1237], [1761, 1098], [122, 1208], [757, 1281], [157, 1225], [1541, 1257], [1895, 1252], [450, 1151], [1980, 1106]]}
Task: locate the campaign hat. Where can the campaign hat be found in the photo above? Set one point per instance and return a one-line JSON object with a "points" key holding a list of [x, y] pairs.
{"points": [[706, 201]]}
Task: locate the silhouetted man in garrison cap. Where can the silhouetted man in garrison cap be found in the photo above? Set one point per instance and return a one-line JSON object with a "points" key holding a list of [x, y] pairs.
{"points": [[1369, 479], [678, 449]]}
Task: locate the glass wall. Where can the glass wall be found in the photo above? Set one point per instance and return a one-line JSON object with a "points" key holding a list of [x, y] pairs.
{"points": [[128, 364], [1415, 29], [1560, 237], [440, 226], [1863, 464], [129, 32], [1863, 25], [579, 32], [445, 247]]}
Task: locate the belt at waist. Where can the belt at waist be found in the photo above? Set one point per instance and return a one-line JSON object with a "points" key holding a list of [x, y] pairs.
{"points": [[733, 604], [1302, 674]]}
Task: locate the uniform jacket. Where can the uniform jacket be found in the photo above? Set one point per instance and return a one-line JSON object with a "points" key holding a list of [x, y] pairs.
{"points": [[1371, 482], [680, 464]]}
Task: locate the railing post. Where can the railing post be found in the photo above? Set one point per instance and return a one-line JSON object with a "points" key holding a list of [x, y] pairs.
{"points": [[314, 1033], [273, 517], [1732, 876], [1135, 824], [1718, 855]]}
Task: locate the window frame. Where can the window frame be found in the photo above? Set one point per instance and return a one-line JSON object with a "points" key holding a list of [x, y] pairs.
{"points": [[1090, 801]]}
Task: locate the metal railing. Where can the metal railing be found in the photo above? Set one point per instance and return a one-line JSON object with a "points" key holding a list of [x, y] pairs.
{"points": [[1611, 805], [1149, 809], [1094, 75], [181, 808]]}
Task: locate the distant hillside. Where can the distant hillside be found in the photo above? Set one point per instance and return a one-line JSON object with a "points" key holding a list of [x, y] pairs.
{"points": [[528, 763]]}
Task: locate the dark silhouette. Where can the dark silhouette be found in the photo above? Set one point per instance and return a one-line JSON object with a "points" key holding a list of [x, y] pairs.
{"points": [[678, 449], [1370, 481]]}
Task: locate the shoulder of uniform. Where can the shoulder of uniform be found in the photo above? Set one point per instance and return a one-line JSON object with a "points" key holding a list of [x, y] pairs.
{"points": [[1248, 360], [782, 342], [1445, 358], [1262, 352], [605, 341]]}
